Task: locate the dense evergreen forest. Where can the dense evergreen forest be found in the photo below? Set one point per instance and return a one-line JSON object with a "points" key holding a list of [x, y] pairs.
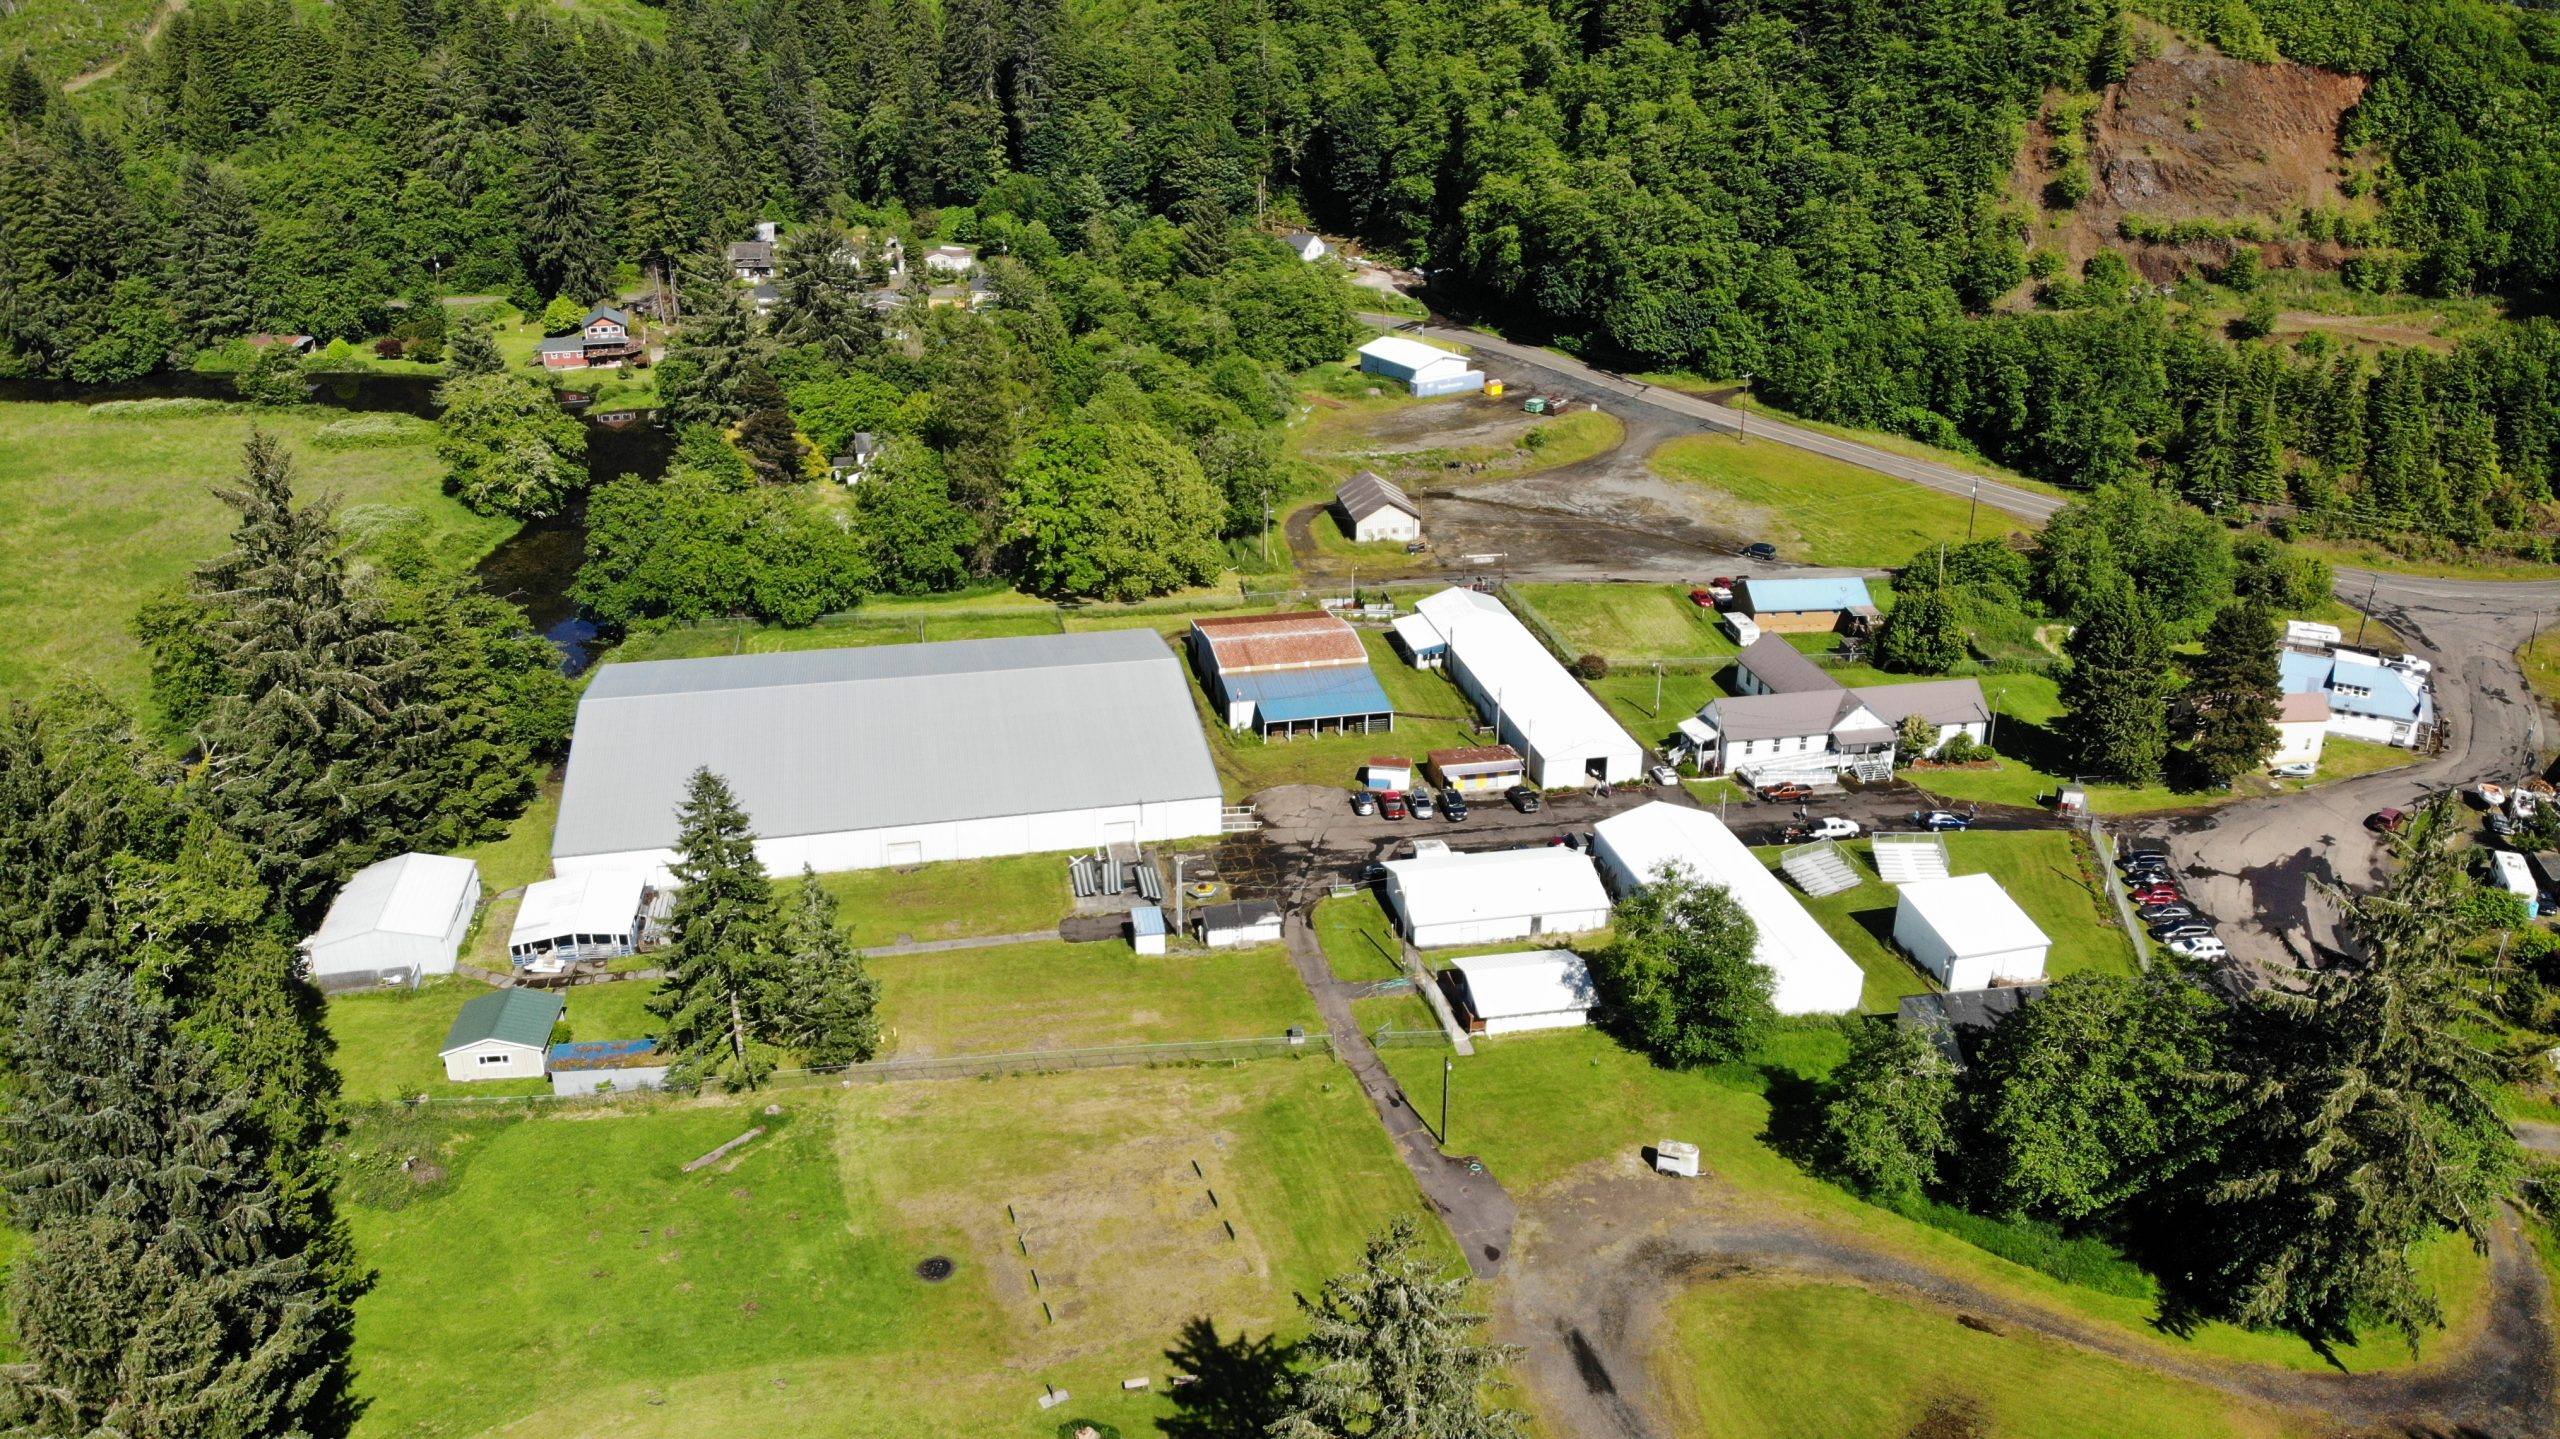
{"points": [[1811, 194]]}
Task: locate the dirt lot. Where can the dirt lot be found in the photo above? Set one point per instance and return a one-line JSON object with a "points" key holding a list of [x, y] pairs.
{"points": [[2191, 135]]}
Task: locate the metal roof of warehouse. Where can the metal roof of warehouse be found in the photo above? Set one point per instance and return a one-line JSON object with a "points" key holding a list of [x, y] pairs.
{"points": [[1797, 596], [1305, 637], [1329, 693], [825, 741]]}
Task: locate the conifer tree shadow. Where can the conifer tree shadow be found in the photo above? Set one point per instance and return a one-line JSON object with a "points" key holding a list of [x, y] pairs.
{"points": [[1239, 1387]]}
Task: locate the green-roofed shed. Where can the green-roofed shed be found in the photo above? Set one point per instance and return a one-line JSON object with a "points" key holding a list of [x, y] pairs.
{"points": [[503, 1034]]}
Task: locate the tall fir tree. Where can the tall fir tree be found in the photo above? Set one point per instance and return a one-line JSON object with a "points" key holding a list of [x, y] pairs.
{"points": [[165, 1288], [475, 350], [212, 251], [823, 296], [1393, 1352], [319, 756], [833, 1014], [2234, 692], [711, 354], [564, 219], [2113, 720], [721, 999], [766, 434]]}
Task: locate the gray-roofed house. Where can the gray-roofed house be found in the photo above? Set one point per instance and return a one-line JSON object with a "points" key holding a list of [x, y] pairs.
{"points": [[504, 1034], [1305, 244], [1374, 507], [894, 755], [604, 339], [751, 259], [1794, 721], [858, 457], [1771, 666]]}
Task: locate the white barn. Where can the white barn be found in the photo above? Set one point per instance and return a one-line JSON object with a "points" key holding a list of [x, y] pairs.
{"points": [[394, 920], [591, 914], [1374, 507], [1486, 898], [895, 755], [1535, 707], [1425, 369], [1967, 932], [1815, 975], [1515, 993]]}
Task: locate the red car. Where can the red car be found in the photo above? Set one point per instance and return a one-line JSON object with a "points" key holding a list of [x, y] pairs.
{"points": [[1787, 792], [2157, 894], [1391, 804], [1704, 599]]}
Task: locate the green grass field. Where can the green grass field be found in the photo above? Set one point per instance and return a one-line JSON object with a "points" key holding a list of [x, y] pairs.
{"points": [[953, 900], [522, 854], [1629, 622], [68, 37], [563, 1276], [1862, 1366], [1821, 511], [1359, 940], [103, 510], [1537, 1108], [387, 1040], [1077, 996]]}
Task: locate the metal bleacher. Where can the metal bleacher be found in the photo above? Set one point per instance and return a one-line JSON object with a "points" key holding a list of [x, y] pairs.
{"points": [[1820, 868], [1903, 858]]}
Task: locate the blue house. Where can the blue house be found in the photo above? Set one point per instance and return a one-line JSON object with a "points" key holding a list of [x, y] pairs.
{"points": [[1802, 606], [2368, 699]]}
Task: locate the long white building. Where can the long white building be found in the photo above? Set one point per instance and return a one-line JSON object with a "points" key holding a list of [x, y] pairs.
{"points": [[1815, 975], [1489, 897], [896, 754], [1535, 707]]}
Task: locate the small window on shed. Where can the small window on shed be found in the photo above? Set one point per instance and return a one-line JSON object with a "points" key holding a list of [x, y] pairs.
{"points": [[495, 1058]]}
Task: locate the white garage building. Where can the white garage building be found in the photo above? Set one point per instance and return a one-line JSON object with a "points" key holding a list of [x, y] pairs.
{"points": [[393, 921], [1486, 898], [1424, 369], [1535, 707], [896, 754], [1815, 975], [1514, 993], [1968, 932]]}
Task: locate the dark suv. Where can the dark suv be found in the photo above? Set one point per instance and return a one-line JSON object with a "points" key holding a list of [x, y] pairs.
{"points": [[1453, 805], [1526, 800]]}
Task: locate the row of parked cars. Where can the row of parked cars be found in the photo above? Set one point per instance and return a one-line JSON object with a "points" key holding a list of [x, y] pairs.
{"points": [[2162, 905], [1422, 804]]}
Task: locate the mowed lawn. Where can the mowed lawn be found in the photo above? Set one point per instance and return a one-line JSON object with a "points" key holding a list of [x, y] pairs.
{"points": [[1358, 937], [1862, 1366], [1537, 1108], [104, 510], [387, 1040], [1820, 511], [567, 1277], [1629, 622], [2041, 869], [956, 899], [1056, 995]]}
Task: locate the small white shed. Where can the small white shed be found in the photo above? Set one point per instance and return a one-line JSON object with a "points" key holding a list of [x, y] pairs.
{"points": [[504, 1034], [1233, 926], [1968, 932], [589, 914], [1486, 898], [395, 920], [1512, 993], [1147, 929]]}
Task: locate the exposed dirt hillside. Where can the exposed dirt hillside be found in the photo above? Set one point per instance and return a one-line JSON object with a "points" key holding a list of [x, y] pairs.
{"points": [[2195, 136]]}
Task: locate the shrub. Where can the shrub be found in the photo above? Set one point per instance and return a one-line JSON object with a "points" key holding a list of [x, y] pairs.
{"points": [[372, 432], [390, 347], [1592, 667], [164, 407]]}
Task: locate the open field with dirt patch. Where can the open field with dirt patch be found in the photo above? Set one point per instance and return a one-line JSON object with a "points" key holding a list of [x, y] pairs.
{"points": [[1055, 995], [1629, 622], [775, 1292], [1821, 511]]}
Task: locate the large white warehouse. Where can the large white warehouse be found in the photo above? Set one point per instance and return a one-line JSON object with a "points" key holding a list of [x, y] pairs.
{"points": [[1486, 898], [1535, 707], [1968, 932], [1815, 975], [894, 755], [395, 920]]}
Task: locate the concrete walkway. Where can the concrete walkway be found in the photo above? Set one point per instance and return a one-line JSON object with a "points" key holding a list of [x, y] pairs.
{"points": [[973, 941], [1477, 1209]]}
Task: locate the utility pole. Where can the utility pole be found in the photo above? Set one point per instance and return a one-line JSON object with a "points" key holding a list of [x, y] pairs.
{"points": [[1266, 524], [1974, 509], [1742, 413], [1657, 689], [1448, 1067], [1179, 861], [2365, 615]]}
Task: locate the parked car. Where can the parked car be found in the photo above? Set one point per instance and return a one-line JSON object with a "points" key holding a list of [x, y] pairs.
{"points": [[2386, 821], [1723, 584], [1417, 547], [2203, 946], [1941, 819], [1789, 792], [1454, 806], [1832, 826], [2178, 929], [1363, 803], [1526, 800], [1420, 803], [1664, 774], [2500, 825], [2156, 913], [1703, 597], [2150, 874], [2159, 894], [1763, 552], [2299, 769], [1391, 804]]}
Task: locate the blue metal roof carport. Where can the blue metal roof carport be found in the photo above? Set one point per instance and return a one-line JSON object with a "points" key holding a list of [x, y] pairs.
{"points": [[1296, 701]]}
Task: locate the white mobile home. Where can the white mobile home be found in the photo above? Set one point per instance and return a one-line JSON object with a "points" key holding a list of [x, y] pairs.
{"points": [[2511, 873], [1968, 932], [589, 914], [895, 755], [1516, 993], [395, 920], [1815, 975], [1486, 898]]}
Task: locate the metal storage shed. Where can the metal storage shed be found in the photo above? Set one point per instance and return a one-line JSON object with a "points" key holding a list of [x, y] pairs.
{"points": [[1815, 975], [1287, 674], [1968, 932], [1230, 926], [596, 1065], [1376, 508], [1425, 369], [1485, 898], [1514, 993], [895, 754], [1566, 736], [395, 920]]}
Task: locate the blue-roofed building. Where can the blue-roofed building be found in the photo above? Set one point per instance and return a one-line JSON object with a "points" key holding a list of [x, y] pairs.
{"points": [[1807, 605], [592, 1066], [1290, 674], [2368, 699]]}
